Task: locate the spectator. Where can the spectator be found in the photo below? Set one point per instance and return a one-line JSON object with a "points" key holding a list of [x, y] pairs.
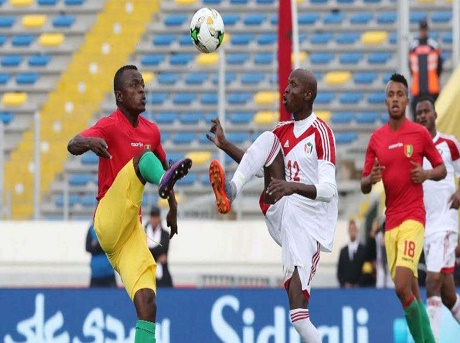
{"points": [[351, 259], [102, 273], [158, 242], [425, 64], [383, 276]]}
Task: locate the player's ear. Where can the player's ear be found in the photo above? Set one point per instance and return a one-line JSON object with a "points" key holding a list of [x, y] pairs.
{"points": [[118, 96]]}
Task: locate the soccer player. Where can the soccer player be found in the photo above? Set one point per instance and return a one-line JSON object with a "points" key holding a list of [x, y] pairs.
{"points": [[441, 230], [299, 200], [395, 155], [130, 154]]}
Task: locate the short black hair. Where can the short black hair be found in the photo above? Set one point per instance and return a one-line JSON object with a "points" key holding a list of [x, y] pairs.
{"points": [[117, 80], [400, 79], [426, 98]]}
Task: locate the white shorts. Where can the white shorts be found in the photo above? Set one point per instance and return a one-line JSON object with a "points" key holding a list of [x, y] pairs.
{"points": [[299, 249], [439, 251]]}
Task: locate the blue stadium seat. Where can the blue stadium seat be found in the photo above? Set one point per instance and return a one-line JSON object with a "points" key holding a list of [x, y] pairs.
{"points": [[242, 38], [319, 1], [237, 57], [11, 60], [183, 137], [416, 16], [322, 57], [190, 118], [351, 98], [376, 98], [4, 77], [81, 179], [28, 78], [238, 2], [362, 18], [441, 17], [7, 21], [446, 55], [196, 78], [89, 158], [209, 98], [386, 77], [341, 117], [333, 18], [39, 60], [345, 137], [237, 137], [6, 117], [350, 57], [229, 78], [184, 98], [22, 40], [372, 1], [273, 79], [264, 58], [74, 2], [307, 18], [393, 38], [174, 156], [211, 2], [204, 180], [240, 118], [325, 97], [3, 39], [157, 98], [62, 21], [239, 98], [365, 77], [185, 40], [447, 38], [87, 200], [152, 59], [47, 2], [73, 200], [387, 18], [175, 19], [265, 2], [345, 1], [189, 180], [230, 19], [254, 19], [321, 38], [267, 39], [168, 78], [181, 58], [252, 78], [379, 57], [367, 117], [274, 19], [347, 37], [165, 39]]}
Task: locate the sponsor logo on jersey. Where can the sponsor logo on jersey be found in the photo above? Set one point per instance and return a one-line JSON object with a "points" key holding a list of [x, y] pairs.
{"points": [[137, 144], [394, 146], [408, 150]]}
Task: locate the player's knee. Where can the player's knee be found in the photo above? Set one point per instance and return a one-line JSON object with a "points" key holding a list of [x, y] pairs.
{"points": [[145, 303]]}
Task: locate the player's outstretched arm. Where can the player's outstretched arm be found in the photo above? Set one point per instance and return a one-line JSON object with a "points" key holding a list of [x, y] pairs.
{"points": [[79, 145], [220, 141]]}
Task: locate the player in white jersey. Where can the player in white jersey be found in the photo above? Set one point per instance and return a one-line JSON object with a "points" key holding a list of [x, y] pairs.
{"points": [[441, 230], [297, 160]]}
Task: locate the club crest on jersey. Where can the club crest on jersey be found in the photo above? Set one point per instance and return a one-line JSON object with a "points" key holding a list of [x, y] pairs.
{"points": [[308, 148], [408, 150]]}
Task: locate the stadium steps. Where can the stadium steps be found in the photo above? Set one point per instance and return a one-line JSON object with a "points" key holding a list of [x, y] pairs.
{"points": [[76, 98]]}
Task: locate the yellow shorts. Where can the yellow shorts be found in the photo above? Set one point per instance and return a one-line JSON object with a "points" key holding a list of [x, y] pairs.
{"points": [[404, 245], [121, 234]]}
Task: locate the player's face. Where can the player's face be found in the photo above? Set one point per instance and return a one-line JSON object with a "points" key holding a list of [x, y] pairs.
{"points": [[425, 114], [133, 92], [396, 100], [294, 98]]}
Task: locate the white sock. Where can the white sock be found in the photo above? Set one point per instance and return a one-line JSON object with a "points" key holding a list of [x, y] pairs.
{"points": [[300, 319], [455, 310], [261, 153], [434, 310]]}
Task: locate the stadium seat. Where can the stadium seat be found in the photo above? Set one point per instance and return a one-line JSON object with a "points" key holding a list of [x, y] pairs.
{"points": [[11, 60], [347, 37], [254, 19], [365, 77], [367, 117], [321, 57], [184, 98], [350, 57], [39, 60], [266, 117], [239, 2], [229, 78], [89, 158], [72, 200], [374, 37], [209, 98], [185, 40], [416, 16], [230, 19], [379, 57], [265, 2], [22, 40], [81, 179], [207, 59], [242, 38], [237, 57], [184, 2], [189, 180], [325, 97], [163, 39], [376, 98], [307, 18], [237, 137], [252, 78], [333, 18], [264, 58], [4, 78], [239, 98], [74, 2], [152, 59], [7, 21], [362, 18], [88, 200], [266, 98], [168, 78], [372, 1], [240, 118], [345, 137], [181, 59], [341, 118], [447, 38], [6, 117], [14, 98], [387, 18], [191, 118], [47, 2], [345, 1], [337, 77], [386, 77], [267, 39], [351, 98], [3, 39], [157, 98], [183, 137], [33, 21], [393, 38], [321, 38], [20, 3], [175, 19], [63, 21], [51, 39], [196, 78], [441, 17], [211, 2], [27, 78]]}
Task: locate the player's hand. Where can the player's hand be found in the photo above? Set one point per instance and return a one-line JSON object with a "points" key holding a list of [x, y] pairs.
{"points": [[417, 174], [455, 200], [218, 137], [376, 172], [278, 188], [171, 222], [100, 147]]}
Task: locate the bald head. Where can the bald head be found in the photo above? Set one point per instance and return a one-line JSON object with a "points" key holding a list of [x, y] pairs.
{"points": [[308, 80]]}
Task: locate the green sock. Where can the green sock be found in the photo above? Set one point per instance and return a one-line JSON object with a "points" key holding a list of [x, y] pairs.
{"points": [[145, 332], [151, 168], [427, 333], [414, 321]]}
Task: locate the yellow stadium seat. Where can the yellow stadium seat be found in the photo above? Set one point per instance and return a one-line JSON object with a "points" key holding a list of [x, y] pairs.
{"points": [[14, 98], [185, 2], [266, 98], [148, 77], [33, 21], [199, 157], [51, 39], [302, 56], [266, 117], [207, 59], [20, 3], [374, 37], [337, 77], [324, 115]]}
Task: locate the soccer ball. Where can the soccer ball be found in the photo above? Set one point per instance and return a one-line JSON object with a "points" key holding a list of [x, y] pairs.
{"points": [[207, 30]]}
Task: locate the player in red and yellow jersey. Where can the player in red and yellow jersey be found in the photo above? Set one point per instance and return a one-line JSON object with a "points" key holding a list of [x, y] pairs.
{"points": [[395, 155], [130, 154]]}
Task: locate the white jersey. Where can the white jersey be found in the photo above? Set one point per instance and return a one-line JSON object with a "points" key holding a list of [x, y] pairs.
{"points": [[309, 157], [439, 217]]}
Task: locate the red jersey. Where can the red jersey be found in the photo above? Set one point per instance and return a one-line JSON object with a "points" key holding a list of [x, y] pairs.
{"points": [[395, 150], [124, 142]]}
